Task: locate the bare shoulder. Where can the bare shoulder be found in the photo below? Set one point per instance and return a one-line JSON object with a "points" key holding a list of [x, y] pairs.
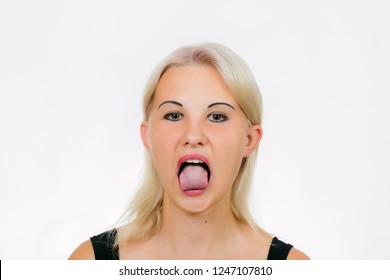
{"points": [[83, 252], [296, 254]]}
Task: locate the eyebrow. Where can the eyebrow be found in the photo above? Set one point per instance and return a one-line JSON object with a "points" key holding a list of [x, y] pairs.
{"points": [[181, 105], [220, 103], [170, 101]]}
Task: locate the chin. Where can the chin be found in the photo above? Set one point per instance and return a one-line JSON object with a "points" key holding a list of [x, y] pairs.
{"points": [[195, 205]]}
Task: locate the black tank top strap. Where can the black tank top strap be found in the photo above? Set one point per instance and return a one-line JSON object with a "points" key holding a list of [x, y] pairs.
{"points": [[278, 250], [103, 245]]}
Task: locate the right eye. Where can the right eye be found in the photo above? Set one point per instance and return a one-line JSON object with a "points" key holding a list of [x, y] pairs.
{"points": [[173, 116]]}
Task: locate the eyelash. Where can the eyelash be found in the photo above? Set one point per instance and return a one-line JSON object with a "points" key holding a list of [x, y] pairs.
{"points": [[177, 116]]}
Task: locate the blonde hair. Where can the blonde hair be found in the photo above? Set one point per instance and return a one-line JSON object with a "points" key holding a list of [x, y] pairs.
{"points": [[144, 213]]}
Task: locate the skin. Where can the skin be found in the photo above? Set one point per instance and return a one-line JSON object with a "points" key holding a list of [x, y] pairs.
{"points": [[220, 133], [194, 112]]}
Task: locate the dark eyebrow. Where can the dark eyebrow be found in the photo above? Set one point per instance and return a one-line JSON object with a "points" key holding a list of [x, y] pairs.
{"points": [[220, 103], [170, 101]]}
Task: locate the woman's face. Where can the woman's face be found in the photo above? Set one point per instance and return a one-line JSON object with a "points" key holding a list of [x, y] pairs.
{"points": [[197, 136]]}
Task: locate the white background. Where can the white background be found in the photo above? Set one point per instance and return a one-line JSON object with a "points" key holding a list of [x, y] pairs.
{"points": [[71, 80]]}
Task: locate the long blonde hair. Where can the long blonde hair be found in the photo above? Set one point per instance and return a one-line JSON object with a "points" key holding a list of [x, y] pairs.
{"points": [[144, 214]]}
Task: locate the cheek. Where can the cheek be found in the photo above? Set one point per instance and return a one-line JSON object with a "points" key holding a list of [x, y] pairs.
{"points": [[162, 147], [159, 142], [231, 143], [230, 150]]}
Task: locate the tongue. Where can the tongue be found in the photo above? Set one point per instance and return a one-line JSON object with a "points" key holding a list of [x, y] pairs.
{"points": [[193, 177]]}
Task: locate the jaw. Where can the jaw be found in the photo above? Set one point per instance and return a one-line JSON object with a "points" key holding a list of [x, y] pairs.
{"points": [[210, 203]]}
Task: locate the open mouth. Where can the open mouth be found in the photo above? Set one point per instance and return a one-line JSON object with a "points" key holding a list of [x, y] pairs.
{"points": [[194, 175], [195, 162]]}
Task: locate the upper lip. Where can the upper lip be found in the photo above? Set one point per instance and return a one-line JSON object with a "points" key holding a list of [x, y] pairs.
{"points": [[192, 156]]}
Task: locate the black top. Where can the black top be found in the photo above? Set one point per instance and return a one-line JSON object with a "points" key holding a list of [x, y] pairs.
{"points": [[278, 250], [103, 246]]}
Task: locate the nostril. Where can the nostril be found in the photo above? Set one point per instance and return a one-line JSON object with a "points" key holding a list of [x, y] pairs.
{"points": [[195, 142], [194, 136]]}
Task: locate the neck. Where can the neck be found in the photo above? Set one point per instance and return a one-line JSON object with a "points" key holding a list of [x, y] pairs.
{"points": [[205, 235]]}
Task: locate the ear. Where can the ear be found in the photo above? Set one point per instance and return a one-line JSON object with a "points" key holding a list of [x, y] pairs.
{"points": [[144, 129], [254, 135]]}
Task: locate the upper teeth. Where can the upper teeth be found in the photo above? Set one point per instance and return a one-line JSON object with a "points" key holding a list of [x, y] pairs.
{"points": [[194, 161]]}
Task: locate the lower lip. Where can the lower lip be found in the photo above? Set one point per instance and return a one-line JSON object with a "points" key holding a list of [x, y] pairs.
{"points": [[194, 192]]}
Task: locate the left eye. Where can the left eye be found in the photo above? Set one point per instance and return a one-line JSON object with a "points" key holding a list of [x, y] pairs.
{"points": [[217, 117]]}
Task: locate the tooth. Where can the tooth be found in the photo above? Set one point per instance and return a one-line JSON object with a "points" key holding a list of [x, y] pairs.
{"points": [[194, 161]]}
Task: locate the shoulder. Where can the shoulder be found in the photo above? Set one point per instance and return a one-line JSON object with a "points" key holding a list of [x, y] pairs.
{"points": [[83, 252], [296, 254]]}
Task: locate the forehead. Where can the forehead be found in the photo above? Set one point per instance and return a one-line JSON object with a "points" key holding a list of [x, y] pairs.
{"points": [[195, 82]]}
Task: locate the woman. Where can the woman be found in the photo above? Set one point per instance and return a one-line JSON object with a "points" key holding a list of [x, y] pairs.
{"points": [[201, 131]]}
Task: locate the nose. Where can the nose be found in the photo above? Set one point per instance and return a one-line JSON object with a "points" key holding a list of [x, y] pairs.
{"points": [[194, 135]]}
